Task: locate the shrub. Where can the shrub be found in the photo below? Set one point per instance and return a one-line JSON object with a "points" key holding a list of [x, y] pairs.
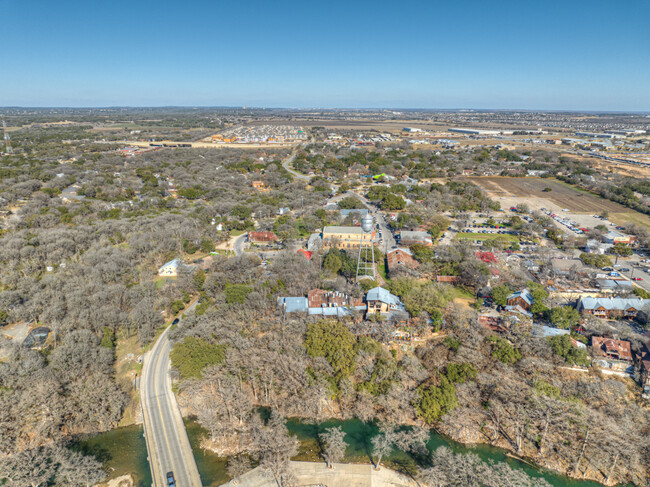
{"points": [[503, 350], [236, 293], [193, 354], [563, 347], [436, 401]]}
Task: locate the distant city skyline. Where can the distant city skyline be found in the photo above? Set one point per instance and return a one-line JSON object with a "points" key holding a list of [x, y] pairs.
{"points": [[507, 55]]}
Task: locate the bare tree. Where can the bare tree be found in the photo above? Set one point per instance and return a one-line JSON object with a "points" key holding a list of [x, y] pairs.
{"points": [[334, 445]]}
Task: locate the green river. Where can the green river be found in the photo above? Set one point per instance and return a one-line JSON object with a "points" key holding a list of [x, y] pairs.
{"points": [[123, 450]]}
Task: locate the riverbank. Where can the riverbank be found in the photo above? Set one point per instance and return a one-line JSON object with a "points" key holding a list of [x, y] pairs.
{"points": [[123, 452], [359, 439]]}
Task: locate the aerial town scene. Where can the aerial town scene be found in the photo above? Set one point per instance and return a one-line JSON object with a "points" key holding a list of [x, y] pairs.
{"points": [[272, 273]]}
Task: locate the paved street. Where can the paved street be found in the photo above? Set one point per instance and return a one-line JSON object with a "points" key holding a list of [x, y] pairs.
{"points": [[239, 244], [234, 243], [635, 271], [167, 442], [287, 163]]}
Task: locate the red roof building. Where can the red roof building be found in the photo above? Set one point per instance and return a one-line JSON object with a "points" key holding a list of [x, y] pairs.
{"points": [[319, 298], [262, 237], [400, 257]]}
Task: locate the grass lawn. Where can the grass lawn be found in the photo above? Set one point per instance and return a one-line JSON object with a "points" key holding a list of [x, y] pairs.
{"points": [[236, 233], [160, 281], [487, 236], [461, 293]]}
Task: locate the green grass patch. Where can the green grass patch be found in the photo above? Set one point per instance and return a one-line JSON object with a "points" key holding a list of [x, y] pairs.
{"points": [[160, 283], [461, 293], [381, 270]]}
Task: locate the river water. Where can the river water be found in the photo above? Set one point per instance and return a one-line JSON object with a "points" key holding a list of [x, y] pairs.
{"points": [[124, 450]]}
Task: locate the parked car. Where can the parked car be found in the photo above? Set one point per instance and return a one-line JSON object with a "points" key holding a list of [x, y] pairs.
{"points": [[175, 322], [637, 279], [171, 482]]}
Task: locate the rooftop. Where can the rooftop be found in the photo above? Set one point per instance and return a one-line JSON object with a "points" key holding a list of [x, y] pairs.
{"points": [[343, 230], [383, 295], [613, 303]]}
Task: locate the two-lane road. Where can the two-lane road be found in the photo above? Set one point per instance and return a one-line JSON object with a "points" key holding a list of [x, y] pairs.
{"points": [[167, 442], [289, 160]]}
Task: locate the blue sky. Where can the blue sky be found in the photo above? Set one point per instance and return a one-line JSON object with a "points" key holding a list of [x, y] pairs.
{"points": [[570, 54]]}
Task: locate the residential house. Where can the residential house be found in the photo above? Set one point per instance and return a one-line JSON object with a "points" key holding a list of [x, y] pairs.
{"points": [[259, 184], [611, 353], [170, 269], [380, 300], [523, 299], [283, 211], [346, 237], [613, 307], [400, 257], [262, 237], [414, 237]]}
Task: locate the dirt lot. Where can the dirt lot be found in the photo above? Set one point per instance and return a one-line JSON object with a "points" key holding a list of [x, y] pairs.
{"points": [[511, 191]]}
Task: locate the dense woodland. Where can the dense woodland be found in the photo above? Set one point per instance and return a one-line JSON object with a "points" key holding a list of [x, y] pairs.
{"points": [[86, 268]]}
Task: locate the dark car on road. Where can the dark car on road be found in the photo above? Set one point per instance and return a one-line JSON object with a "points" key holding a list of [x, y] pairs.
{"points": [[170, 479], [175, 322]]}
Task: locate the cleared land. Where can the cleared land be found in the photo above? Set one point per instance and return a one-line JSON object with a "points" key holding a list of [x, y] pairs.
{"points": [[530, 191]]}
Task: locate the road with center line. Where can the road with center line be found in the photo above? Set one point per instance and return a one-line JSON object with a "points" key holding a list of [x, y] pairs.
{"points": [[167, 442]]}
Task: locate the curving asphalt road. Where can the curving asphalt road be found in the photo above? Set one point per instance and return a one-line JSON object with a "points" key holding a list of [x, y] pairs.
{"points": [[167, 442], [287, 162], [238, 246]]}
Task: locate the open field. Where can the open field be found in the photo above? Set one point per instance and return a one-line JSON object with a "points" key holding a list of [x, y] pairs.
{"points": [[560, 194], [512, 191]]}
